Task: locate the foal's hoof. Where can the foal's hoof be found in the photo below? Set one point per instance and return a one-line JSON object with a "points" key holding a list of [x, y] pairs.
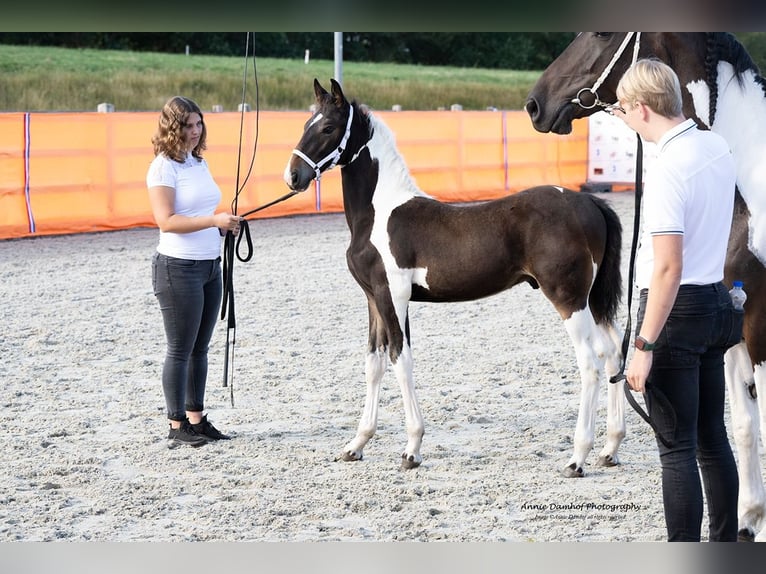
{"points": [[409, 462], [607, 460], [349, 456], [745, 535], [573, 471]]}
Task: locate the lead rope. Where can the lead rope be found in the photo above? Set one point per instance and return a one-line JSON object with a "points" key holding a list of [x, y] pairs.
{"points": [[662, 401], [231, 246], [229, 249]]}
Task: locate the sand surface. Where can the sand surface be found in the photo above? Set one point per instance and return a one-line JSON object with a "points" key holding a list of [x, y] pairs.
{"points": [[85, 451]]}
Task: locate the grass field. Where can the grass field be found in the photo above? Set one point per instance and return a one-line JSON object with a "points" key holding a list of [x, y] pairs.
{"points": [[38, 79]]}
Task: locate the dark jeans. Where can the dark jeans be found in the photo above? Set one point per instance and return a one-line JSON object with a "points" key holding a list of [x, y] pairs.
{"points": [[688, 370], [189, 293]]}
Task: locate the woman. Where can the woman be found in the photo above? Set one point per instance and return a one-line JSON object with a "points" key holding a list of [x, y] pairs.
{"points": [[686, 319], [186, 268]]}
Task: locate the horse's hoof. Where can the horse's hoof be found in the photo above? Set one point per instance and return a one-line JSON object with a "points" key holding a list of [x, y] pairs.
{"points": [[349, 456], [409, 462], [607, 460], [573, 471], [745, 535]]}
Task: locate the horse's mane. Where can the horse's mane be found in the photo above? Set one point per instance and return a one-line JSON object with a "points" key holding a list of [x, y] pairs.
{"points": [[724, 46], [383, 140]]}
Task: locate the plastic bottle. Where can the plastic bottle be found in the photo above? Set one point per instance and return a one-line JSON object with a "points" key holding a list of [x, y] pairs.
{"points": [[738, 295]]}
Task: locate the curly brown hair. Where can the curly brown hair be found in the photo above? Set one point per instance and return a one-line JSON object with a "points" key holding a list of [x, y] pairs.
{"points": [[168, 139]]}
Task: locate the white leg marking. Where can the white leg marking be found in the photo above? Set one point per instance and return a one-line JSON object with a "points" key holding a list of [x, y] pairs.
{"points": [[412, 415], [760, 387], [615, 410], [374, 369], [592, 346], [752, 498]]}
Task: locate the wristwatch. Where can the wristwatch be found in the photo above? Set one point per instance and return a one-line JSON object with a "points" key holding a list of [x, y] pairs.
{"points": [[643, 345]]}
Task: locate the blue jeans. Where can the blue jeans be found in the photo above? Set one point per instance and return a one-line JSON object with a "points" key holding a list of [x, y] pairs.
{"points": [[688, 369], [189, 293]]}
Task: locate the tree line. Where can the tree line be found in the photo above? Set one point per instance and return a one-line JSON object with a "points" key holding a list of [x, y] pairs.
{"points": [[501, 50], [508, 50]]}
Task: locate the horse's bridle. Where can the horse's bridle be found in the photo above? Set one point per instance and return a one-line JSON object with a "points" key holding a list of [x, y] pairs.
{"points": [[608, 70], [334, 156]]}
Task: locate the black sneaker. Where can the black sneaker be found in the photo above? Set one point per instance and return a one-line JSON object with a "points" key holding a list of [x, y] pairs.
{"points": [[185, 434], [207, 430]]}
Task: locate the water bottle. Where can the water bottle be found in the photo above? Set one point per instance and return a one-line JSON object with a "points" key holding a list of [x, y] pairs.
{"points": [[738, 296]]}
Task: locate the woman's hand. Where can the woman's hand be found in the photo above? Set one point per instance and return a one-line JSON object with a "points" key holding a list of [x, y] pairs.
{"points": [[638, 370], [227, 222]]}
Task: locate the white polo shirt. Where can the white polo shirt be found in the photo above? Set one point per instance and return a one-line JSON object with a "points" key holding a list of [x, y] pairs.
{"points": [[196, 194], [689, 191]]}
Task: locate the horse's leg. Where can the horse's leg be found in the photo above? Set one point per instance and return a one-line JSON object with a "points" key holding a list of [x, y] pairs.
{"points": [[760, 385], [394, 305], [752, 499], [403, 369], [374, 369], [590, 352], [413, 419], [615, 417]]}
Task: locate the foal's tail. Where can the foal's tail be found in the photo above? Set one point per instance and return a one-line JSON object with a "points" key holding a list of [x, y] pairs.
{"points": [[606, 294]]}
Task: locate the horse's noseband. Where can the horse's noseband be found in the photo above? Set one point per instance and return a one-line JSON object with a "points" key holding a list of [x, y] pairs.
{"points": [[334, 155], [596, 101]]}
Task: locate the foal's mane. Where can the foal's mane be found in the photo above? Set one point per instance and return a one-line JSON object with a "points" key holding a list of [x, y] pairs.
{"points": [[724, 46], [382, 143]]}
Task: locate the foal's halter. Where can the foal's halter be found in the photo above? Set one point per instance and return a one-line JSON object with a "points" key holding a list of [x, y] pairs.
{"points": [[606, 72], [334, 156]]}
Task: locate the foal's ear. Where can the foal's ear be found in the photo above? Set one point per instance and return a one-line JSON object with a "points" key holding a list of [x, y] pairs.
{"points": [[337, 93], [318, 89]]}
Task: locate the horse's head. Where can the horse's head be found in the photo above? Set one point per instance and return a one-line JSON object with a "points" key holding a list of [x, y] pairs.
{"points": [[569, 88], [325, 138], [583, 79]]}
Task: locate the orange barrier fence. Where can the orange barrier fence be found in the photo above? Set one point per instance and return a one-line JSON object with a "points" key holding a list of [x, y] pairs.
{"points": [[82, 172]]}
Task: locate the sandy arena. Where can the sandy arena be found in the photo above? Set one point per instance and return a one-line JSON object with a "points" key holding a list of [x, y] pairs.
{"points": [[85, 451]]}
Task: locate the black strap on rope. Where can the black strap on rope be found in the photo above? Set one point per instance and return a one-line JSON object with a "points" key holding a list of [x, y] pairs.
{"points": [[656, 395]]}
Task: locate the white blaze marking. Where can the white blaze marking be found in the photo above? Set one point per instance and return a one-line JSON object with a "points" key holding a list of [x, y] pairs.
{"points": [[317, 117]]}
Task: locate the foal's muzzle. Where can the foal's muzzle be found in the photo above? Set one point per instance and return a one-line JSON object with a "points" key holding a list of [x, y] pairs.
{"points": [[298, 174]]}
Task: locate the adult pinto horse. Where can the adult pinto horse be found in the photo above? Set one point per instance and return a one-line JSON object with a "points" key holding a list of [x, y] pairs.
{"points": [[723, 91], [406, 246]]}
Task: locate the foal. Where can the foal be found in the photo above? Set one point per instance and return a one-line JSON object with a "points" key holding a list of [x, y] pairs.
{"points": [[406, 246]]}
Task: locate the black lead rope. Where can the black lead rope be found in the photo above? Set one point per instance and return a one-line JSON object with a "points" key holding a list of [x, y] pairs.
{"points": [[230, 248], [662, 402], [231, 245]]}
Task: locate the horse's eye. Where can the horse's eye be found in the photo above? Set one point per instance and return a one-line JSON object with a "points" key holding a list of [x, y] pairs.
{"points": [[602, 34], [328, 130]]}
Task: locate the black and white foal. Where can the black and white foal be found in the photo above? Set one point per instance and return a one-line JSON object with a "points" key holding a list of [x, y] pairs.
{"points": [[406, 246]]}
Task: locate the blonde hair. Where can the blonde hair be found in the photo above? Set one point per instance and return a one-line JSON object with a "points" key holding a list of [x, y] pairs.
{"points": [[168, 139], [654, 84]]}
